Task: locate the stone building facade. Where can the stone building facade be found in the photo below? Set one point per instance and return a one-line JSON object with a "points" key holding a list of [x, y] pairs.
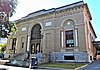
{"points": [[57, 34]]}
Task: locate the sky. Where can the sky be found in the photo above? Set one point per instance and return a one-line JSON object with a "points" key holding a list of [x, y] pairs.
{"points": [[3, 40], [25, 7]]}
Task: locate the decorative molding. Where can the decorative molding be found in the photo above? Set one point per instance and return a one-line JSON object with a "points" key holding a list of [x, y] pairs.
{"points": [[53, 14]]}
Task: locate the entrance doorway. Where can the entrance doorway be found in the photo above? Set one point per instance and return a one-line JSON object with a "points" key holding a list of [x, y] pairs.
{"points": [[36, 39], [35, 48]]}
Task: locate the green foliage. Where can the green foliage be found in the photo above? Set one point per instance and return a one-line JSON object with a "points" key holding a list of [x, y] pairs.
{"points": [[3, 47], [7, 9], [63, 65], [7, 28], [13, 28], [8, 6], [13, 4]]}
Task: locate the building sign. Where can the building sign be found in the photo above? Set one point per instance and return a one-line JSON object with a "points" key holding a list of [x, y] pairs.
{"points": [[24, 29], [48, 24]]}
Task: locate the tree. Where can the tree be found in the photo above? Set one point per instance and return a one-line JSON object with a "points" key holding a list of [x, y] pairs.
{"points": [[3, 47], [7, 9]]}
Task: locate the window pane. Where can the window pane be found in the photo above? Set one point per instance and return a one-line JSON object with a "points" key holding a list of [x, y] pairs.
{"points": [[36, 32], [13, 43], [69, 38]]}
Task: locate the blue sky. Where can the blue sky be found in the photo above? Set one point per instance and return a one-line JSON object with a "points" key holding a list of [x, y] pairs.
{"points": [[94, 10], [28, 6]]}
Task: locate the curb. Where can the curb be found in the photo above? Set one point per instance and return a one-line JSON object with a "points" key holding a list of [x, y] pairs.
{"points": [[81, 67], [55, 68]]}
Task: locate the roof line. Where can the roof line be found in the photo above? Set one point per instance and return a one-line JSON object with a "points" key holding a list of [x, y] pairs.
{"points": [[93, 29], [56, 9], [71, 4]]}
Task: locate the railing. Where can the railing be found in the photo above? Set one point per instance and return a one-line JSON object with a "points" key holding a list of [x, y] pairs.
{"points": [[20, 56]]}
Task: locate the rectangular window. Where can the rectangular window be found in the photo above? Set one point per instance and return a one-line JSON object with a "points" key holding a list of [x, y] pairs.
{"points": [[38, 47], [24, 29], [48, 24], [22, 44], [35, 48], [14, 43], [22, 41], [69, 38], [69, 58]]}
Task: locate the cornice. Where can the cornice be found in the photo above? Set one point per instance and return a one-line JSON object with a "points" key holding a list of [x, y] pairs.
{"points": [[61, 13], [54, 12], [70, 11]]}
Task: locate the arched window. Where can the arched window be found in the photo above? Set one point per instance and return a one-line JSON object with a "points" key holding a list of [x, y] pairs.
{"points": [[36, 32], [68, 32], [68, 24], [36, 39]]}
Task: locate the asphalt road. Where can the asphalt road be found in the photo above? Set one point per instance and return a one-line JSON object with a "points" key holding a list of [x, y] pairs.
{"points": [[92, 66]]}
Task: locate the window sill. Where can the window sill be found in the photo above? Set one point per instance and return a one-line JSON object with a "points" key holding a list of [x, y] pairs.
{"points": [[69, 48]]}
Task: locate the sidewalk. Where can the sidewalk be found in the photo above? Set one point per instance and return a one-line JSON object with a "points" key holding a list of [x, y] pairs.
{"points": [[51, 68], [22, 68], [40, 68], [2, 66]]}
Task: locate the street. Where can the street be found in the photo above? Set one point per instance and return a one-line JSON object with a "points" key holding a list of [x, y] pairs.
{"points": [[92, 66]]}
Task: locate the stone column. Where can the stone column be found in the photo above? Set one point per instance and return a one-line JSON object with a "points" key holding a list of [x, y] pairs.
{"points": [[76, 38], [76, 48], [28, 43], [62, 39], [41, 44]]}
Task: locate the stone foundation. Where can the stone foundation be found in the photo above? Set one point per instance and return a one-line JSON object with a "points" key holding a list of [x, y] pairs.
{"points": [[59, 57]]}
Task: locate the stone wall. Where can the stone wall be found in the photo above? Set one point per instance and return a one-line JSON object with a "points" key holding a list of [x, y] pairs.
{"points": [[59, 57]]}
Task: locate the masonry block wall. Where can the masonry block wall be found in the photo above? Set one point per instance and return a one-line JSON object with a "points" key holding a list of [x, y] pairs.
{"points": [[54, 25]]}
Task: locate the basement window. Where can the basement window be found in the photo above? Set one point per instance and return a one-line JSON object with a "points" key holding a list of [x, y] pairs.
{"points": [[69, 58]]}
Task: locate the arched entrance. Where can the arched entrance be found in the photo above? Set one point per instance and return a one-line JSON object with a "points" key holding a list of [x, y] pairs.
{"points": [[36, 39]]}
